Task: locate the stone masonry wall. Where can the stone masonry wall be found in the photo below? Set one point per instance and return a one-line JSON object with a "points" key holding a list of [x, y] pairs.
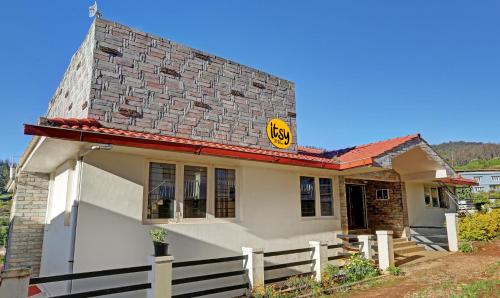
{"points": [[385, 214], [143, 82], [71, 99], [27, 226]]}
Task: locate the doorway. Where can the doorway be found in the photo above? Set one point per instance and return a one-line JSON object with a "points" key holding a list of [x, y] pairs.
{"points": [[356, 206]]}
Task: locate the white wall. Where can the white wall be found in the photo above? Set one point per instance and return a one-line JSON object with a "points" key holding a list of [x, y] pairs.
{"points": [[111, 234], [56, 242], [418, 213]]}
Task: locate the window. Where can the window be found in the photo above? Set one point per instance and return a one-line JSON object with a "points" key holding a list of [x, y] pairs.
{"points": [[477, 178], [478, 188], [326, 196], [195, 192], [225, 193], [307, 196], [495, 178], [382, 194], [495, 187], [444, 201], [427, 195], [435, 197], [161, 194]]}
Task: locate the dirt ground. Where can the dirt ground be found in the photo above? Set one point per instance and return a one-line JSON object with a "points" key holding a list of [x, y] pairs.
{"points": [[455, 275]]}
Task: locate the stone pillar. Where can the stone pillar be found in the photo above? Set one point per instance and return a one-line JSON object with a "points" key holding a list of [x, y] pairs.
{"points": [[343, 205], [15, 283], [24, 249], [452, 231], [320, 257], [254, 264], [385, 249], [366, 246], [160, 277]]}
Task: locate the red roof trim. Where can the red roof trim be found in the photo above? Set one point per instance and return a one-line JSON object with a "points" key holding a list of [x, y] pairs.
{"points": [[133, 139], [458, 181]]}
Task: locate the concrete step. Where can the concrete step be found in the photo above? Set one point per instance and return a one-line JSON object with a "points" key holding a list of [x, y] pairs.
{"points": [[402, 244], [408, 250], [399, 240]]}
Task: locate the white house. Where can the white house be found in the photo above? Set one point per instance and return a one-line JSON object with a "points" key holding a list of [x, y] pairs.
{"points": [[145, 132]]}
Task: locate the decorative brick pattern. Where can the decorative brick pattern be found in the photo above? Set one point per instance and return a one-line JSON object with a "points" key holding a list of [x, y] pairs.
{"points": [[28, 216], [388, 175], [142, 82], [385, 214], [344, 224]]}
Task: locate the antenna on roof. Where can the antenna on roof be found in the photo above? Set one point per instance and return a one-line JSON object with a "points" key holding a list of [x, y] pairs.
{"points": [[93, 11]]}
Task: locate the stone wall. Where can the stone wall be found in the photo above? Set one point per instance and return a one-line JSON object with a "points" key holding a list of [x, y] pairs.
{"points": [[71, 99], [27, 222], [143, 82], [389, 214]]}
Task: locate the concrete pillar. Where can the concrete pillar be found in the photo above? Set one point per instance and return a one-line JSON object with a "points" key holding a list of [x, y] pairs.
{"points": [[452, 231], [366, 246], [15, 283], [385, 249], [320, 257], [254, 264], [160, 277]]}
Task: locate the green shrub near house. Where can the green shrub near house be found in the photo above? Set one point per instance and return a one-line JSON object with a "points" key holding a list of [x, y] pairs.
{"points": [[480, 226]]}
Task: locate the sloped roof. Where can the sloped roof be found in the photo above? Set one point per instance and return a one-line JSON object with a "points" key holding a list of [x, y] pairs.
{"points": [[91, 130]]}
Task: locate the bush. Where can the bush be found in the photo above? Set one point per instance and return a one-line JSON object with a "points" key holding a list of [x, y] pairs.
{"points": [[302, 285], [396, 271], [479, 226], [358, 268], [465, 247], [270, 291]]}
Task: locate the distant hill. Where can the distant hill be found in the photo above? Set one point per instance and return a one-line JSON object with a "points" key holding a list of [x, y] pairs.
{"points": [[470, 155]]}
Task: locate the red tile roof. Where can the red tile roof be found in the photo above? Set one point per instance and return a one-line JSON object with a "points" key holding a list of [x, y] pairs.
{"points": [[459, 180], [91, 130]]}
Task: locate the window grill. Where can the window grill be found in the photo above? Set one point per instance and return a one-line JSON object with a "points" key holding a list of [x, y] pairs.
{"points": [[225, 193]]}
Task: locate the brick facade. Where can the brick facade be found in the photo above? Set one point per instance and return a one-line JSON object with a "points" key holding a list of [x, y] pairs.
{"points": [[27, 223], [146, 83], [389, 214]]}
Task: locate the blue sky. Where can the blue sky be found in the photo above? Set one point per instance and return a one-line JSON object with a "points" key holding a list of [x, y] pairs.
{"points": [[364, 70]]}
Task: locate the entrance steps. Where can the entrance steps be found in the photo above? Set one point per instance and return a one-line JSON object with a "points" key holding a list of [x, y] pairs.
{"points": [[403, 247]]}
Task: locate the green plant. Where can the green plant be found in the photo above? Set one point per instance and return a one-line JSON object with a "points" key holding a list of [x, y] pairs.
{"points": [[480, 226], [158, 235], [465, 247], [358, 268], [270, 291], [396, 271], [302, 285]]}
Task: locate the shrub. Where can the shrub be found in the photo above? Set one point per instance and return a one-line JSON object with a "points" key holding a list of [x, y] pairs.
{"points": [[332, 276], [479, 226], [270, 291], [358, 268], [302, 285], [466, 247], [158, 235], [396, 271]]}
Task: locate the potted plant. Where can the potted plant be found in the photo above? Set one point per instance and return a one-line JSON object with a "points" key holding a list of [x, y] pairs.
{"points": [[159, 235]]}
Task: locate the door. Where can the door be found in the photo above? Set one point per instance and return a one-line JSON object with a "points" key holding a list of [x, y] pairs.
{"points": [[356, 213]]}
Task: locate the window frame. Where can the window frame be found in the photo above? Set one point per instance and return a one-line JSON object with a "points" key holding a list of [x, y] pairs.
{"points": [[317, 197], [179, 194], [382, 189]]}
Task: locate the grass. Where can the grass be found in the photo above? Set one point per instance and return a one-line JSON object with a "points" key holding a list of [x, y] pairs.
{"points": [[5, 196]]}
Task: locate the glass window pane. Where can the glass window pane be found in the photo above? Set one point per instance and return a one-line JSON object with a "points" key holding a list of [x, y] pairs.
{"points": [[161, 191], [195, 192], [435, 197], [427, 194], [326, 196], [225, 193], [307, 196]]}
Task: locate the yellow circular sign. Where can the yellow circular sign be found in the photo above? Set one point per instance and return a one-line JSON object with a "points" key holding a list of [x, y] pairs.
{"points": [[279, 133]]}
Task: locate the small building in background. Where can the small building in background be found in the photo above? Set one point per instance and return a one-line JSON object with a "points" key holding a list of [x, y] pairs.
{"points": [[488, 180]]}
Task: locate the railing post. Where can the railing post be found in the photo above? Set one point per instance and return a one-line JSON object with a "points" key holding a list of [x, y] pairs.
{"points": [[320, 257], [366, 246], [452, 231], [160, 277], [385, 249], [254, 264], [15, 283]]}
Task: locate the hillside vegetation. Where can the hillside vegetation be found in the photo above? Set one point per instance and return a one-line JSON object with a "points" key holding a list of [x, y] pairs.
{"points": [[470, 155]]}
